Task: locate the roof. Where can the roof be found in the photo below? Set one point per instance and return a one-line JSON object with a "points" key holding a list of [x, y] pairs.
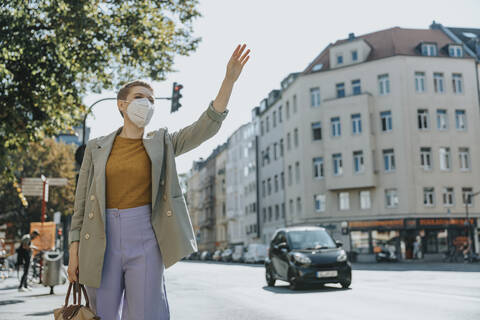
{"points": [[389, 42], [469, 36]]}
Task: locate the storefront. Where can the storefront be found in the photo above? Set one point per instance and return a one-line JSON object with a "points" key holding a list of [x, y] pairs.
{"points": [[436, 236]]}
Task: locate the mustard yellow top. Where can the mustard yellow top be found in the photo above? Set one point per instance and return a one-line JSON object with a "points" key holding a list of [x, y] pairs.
{"points": [[128, 178]]}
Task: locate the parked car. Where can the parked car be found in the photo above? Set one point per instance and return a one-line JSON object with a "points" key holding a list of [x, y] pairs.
{"points": [[217, 255], [238, 252], [206, 255], [306, 254], [256, 252], [227, 255]]}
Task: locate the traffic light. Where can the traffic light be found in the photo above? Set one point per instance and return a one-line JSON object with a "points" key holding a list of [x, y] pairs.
{"points": [[176, 97]]}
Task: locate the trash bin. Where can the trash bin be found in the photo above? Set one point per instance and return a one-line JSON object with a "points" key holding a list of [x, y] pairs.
{"points": [[52, 273]]}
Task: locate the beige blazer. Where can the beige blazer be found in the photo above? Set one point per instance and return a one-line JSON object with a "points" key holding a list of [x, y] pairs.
{"points": [[170, 217]]}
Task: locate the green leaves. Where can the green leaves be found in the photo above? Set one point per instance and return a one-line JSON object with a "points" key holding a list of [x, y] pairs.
{"points": [[54, 53]]}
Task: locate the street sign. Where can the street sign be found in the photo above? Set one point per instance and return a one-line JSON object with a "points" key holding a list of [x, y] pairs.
{"points": [[34, 186]]}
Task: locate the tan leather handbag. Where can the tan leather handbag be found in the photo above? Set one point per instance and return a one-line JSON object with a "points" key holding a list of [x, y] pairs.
{"points": [[75, 311]]}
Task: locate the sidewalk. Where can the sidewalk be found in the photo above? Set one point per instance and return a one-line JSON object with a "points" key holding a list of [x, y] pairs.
{"points": [[418, 265], [38, 303]]}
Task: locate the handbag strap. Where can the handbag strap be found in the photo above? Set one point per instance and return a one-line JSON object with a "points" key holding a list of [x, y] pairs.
{"points": [[77, 289]]}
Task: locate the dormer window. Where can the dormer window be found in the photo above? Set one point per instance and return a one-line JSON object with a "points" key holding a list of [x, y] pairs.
{"points": [[339, 59], [354, 55], [455, 51], [429, 49]]}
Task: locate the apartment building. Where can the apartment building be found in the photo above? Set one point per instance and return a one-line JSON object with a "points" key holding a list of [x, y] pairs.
{"points": [[220, 198], [241, 187], [380, 133]]}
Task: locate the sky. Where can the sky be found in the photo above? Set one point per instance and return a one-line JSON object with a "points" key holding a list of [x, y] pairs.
{"points": [[283, 37]]}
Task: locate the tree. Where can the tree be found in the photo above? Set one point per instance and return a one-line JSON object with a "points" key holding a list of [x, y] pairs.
{"points": [[54, 52], [51, 159]]}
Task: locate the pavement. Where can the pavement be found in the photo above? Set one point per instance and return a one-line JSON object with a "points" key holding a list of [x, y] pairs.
{"points": [[218, 290]]}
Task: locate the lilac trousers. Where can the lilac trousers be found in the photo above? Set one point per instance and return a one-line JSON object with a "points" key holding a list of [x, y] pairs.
{"points": [[133, 280]]}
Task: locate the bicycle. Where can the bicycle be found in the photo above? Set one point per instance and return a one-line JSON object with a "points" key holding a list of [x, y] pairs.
{"points": [[451, 254]]}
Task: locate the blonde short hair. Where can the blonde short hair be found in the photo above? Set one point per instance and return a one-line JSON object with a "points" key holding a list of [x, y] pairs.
{"points": [[125, 89]]}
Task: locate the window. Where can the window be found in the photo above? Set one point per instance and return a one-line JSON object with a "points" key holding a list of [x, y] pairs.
{"points": [[269, 186], [460, 120], [264, 214], [277, 212], [339, 59], [295, 103], [261, 127], [358, 162], [275, 183], [299, 205], [270, 213], [444, 153], [274, 151], [426, 158], [288, 110], [455, 51], [318, 170], [356, 123], [365, 202], [428, 197], [281, 147], [420, 82], [274, 119], [335, 124], [448, 196], [289, 141], [386, 120], [340, 90], [295, 137], [280, 114], [383, 84], [337, 164], [344, 201], [297, 172], [354, 55], [291, 208], [282, 180], [289, 174], [267, 154], [429, 49], [391, 198], [263, 189], [423, 119], [389, 160], [464, 155], [467, 196], [315, 97], [319, 202], [442, 119], [283, 209], [438, 82], [457, 83], [267, 123], [316, 131], [356, 88]]}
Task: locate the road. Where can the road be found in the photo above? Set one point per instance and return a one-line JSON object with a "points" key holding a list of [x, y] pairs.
{"points": [[214, 290]]}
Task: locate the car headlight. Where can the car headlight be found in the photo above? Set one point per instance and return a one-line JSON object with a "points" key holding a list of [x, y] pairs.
{"points": [[342, 256], [301, 258]]}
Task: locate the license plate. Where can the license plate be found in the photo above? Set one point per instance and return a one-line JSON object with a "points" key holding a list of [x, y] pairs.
{"points": [[323, 274]]}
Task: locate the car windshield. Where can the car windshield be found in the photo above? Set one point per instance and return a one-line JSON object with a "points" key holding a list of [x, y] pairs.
{"points": [[311, 239]]}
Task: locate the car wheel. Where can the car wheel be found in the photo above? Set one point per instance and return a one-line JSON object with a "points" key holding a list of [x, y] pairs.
{"points": [[346, 282], [269, 277], [294, 285]]}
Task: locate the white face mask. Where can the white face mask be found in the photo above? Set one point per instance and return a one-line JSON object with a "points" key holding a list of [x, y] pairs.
{"points": [[140, 111]]}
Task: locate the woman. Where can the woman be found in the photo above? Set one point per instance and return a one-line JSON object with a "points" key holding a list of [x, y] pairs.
{"points": [[130, 220]]}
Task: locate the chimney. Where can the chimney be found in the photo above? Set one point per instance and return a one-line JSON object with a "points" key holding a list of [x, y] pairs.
{"points": [[351, 36]]}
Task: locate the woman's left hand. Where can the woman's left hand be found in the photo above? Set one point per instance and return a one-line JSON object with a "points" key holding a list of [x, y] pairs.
{"points": [[236, 63]]}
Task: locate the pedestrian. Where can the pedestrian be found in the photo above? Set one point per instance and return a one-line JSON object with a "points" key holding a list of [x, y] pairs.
{"points": [[24, 253], [136, 221]]}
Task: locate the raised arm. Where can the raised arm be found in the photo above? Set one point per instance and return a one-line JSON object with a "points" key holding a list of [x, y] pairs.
{"points": [[80, 195], [211, 119]]}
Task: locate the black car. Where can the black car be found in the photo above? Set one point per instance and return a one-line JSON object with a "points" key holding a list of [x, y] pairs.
{"points": [[306, 254]]}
